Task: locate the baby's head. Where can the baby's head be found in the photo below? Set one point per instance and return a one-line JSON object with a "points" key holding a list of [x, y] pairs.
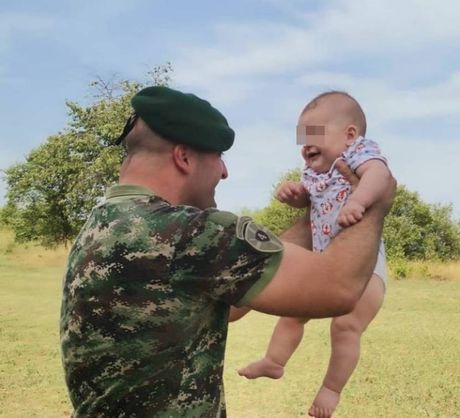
{"points": [[327, 125]]}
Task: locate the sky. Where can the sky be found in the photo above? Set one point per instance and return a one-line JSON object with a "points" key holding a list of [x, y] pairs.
{"points": [[259, 62]]}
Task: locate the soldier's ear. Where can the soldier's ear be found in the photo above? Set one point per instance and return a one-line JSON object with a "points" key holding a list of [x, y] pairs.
{"points": [[181, 158]]}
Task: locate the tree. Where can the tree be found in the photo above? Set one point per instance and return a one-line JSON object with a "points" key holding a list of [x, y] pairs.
{"points": [[420, 231], [50, 195], [413, 229]]}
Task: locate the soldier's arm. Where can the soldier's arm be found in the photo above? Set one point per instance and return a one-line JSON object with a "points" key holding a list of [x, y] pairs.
{"points": [[237, 313], [300, 234], [316, 285]]}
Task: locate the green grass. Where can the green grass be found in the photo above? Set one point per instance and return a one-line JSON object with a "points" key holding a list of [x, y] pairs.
{"points": [[409, 368], [409, 364]]}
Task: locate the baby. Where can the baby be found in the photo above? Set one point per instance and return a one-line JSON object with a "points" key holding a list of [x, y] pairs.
{"points": [[332, 127]]}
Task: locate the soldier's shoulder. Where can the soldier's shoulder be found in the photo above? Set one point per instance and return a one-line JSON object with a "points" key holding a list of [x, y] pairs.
{"points": [[209, 216], [221, 217]]}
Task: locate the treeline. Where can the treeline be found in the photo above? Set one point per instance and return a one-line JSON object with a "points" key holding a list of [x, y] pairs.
{"points": [[51, 193]]}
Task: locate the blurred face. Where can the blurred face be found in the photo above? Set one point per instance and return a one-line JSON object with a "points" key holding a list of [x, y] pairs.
{"points": [[209, 169], [323, 139]]}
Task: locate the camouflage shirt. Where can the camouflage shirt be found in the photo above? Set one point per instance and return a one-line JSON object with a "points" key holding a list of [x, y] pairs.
{"points": [[146, 298]]}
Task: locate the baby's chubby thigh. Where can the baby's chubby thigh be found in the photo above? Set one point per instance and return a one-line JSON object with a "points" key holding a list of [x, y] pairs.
{"points": [[364, 312]]}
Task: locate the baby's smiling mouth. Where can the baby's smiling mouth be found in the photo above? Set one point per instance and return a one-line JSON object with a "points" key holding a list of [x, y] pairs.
{"points": [[312, 154]]}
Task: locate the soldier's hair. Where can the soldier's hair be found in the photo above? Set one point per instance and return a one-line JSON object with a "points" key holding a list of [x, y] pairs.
{"points": [[348, 105], [141, 139]]}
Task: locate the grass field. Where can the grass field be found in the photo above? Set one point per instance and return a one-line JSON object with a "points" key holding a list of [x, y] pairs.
{"points": [[410, 363]]}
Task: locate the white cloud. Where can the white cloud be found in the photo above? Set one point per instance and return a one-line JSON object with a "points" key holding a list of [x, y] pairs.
{"points": [[15, 23], [429, 167], [383, 25], [230, 92], [82, 28], [350, 30], [248, 55], [387, 102]]}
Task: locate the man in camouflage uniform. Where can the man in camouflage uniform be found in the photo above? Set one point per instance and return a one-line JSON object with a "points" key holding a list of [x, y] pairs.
{"points": [[154, 271]]}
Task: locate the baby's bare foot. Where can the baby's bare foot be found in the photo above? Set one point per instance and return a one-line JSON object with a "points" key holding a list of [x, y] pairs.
{"points": [[262, 368], [325, 402]]}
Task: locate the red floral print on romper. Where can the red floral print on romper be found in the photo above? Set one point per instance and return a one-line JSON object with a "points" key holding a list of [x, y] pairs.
{"points": [[342, 195], [326, 229], [326, 207]]}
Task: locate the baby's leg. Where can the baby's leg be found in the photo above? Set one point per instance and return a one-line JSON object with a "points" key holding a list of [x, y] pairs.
{"points": [[346, 333], [286, 337]]}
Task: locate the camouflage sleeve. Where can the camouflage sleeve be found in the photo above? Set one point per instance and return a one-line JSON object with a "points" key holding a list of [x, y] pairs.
{"points": [[225, 257]]}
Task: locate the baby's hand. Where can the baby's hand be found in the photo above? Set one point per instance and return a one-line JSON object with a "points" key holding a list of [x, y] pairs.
{"points": [[293, 194], [351, 213]]}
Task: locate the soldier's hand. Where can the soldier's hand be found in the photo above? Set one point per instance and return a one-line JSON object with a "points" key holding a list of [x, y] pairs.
{"points": [[348, 173], [293, 194]]}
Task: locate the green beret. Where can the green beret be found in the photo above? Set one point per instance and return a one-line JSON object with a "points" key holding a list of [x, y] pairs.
{"points": [[183, 118]]}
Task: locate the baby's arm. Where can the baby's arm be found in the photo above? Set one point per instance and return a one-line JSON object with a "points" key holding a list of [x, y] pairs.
{"points": [[375, 179], [293, 194]]}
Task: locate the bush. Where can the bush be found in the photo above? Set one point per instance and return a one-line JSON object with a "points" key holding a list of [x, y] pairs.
{"points": [[399, 268], [417, 230]]}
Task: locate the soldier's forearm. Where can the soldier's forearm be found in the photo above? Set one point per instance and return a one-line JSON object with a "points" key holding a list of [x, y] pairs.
{"points": [[237, 313], [353, 252]]}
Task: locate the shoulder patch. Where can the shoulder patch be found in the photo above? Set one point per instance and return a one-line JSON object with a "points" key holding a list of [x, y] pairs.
{"points": [[258, 237], [241, 224], [222, 218]]}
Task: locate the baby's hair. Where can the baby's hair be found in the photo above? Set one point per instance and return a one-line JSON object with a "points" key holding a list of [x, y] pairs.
{"points": [[352, 107]]}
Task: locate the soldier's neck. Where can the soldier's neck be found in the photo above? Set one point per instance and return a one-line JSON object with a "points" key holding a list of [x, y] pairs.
{"points": [[165, 185]]}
